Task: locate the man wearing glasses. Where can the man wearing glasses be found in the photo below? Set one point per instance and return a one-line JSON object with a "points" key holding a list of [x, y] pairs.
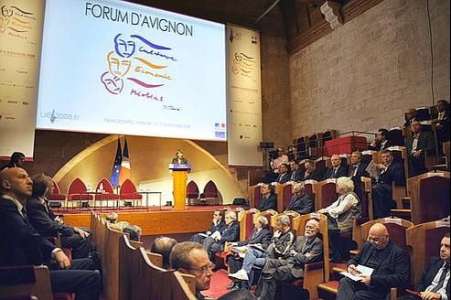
{"points": [[191, 258], [379, 266]]}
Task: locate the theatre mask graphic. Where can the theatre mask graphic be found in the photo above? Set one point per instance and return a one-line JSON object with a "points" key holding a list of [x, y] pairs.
{"points": [[137, 62]]}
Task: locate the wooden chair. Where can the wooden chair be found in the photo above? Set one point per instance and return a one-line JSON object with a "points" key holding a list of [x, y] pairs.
{"points": [[25, 281], [183, 286], [315, 273], [246, 220], [152, 279], [128, 267], [254, 196], [430, 197], [424, 242], [284, 192], [326, 193], [396, 228], [112, 263], [311, 188]]}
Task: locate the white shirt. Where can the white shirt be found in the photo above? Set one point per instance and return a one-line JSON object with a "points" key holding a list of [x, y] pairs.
{"points": [[442, 290]]}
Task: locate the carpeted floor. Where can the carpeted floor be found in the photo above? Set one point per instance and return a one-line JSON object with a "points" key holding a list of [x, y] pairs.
{"points": [[218, 285]]}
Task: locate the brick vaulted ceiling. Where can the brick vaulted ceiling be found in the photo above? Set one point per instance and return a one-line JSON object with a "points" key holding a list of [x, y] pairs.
{"points": [[300, 22]]}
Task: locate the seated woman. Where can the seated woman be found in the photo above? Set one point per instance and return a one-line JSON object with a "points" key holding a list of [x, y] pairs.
{"points": [[259, 239], [215, 243], [217, 225], [340, 215]]}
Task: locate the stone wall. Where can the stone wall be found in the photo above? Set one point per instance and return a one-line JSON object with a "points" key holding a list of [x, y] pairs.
{"points": [[367, 73]]}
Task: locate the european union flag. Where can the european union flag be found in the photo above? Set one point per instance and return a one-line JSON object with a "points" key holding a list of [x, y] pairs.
{"points": [[117, 165]]}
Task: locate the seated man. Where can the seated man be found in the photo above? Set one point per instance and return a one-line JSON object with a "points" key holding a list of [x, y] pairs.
{"points": [[163, 245], [268, 198], [421, 143], [300, 201], [356, 171], [389, 172], [389, 267], [42, 219], [260, 239], [22, 245], [217, 225], [311, 173], [296, 172], [381, 141], [284, 173], [306, 249], [191, 258], [280, 246], [338, 169], [215, 243], [434, 284]]}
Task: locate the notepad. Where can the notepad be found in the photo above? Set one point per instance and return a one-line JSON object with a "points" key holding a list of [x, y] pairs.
{"points": [[364, 271]]}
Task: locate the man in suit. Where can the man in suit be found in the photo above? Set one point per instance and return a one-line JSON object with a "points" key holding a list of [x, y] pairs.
{"points": [[191, 258], [296, 172], [418, 146], [268, 198], [217, 224], [306, 249], [231, 233], [381, 142], [389, 172], [260, 238], [390, 268], [338, 169], [22, 245], [311, 173], [434, 284], [279, 247], [42, 219], [300, 201], [356, 171], [284, 173]]}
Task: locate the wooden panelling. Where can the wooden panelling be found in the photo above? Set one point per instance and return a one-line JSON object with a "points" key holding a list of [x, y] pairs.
{"points": [[156, 222]]}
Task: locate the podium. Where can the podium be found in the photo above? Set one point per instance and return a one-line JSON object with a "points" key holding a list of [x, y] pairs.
{"points": [[179, 179]]}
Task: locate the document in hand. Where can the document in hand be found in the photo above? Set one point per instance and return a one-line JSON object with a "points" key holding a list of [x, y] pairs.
{"points": [[203, 235], [363, 271]]}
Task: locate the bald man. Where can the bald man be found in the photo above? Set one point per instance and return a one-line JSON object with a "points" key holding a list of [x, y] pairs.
{"points": [[337, 169], [163, 245], [22, 245], [390, 264]]}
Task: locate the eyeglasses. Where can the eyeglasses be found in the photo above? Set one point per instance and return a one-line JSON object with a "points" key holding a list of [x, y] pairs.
{"points": [[216, 215], [204, 269], [377, 239]]}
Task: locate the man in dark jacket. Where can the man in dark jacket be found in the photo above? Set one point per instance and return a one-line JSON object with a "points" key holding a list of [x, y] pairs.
{"points": [[260, 238], [40, 216], [311, 172], [217, 224], [418, 146], [268, 198], [338, 168], [389, 268], [389, 172], [306, 249], [434, 283], [215, 243], [300, 201], [280, 246], [22, 245]]}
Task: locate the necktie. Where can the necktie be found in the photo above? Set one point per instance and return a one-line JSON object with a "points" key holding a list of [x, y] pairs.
{"points": [[441, 281]]}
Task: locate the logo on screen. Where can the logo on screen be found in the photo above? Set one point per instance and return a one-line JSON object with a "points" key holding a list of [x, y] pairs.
{"points": [[16, 21], [220, 130], [243, 64], [138, 66]]}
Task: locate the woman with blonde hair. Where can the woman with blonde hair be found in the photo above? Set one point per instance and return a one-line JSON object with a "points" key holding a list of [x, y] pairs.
{"points": [[341, 215]]}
